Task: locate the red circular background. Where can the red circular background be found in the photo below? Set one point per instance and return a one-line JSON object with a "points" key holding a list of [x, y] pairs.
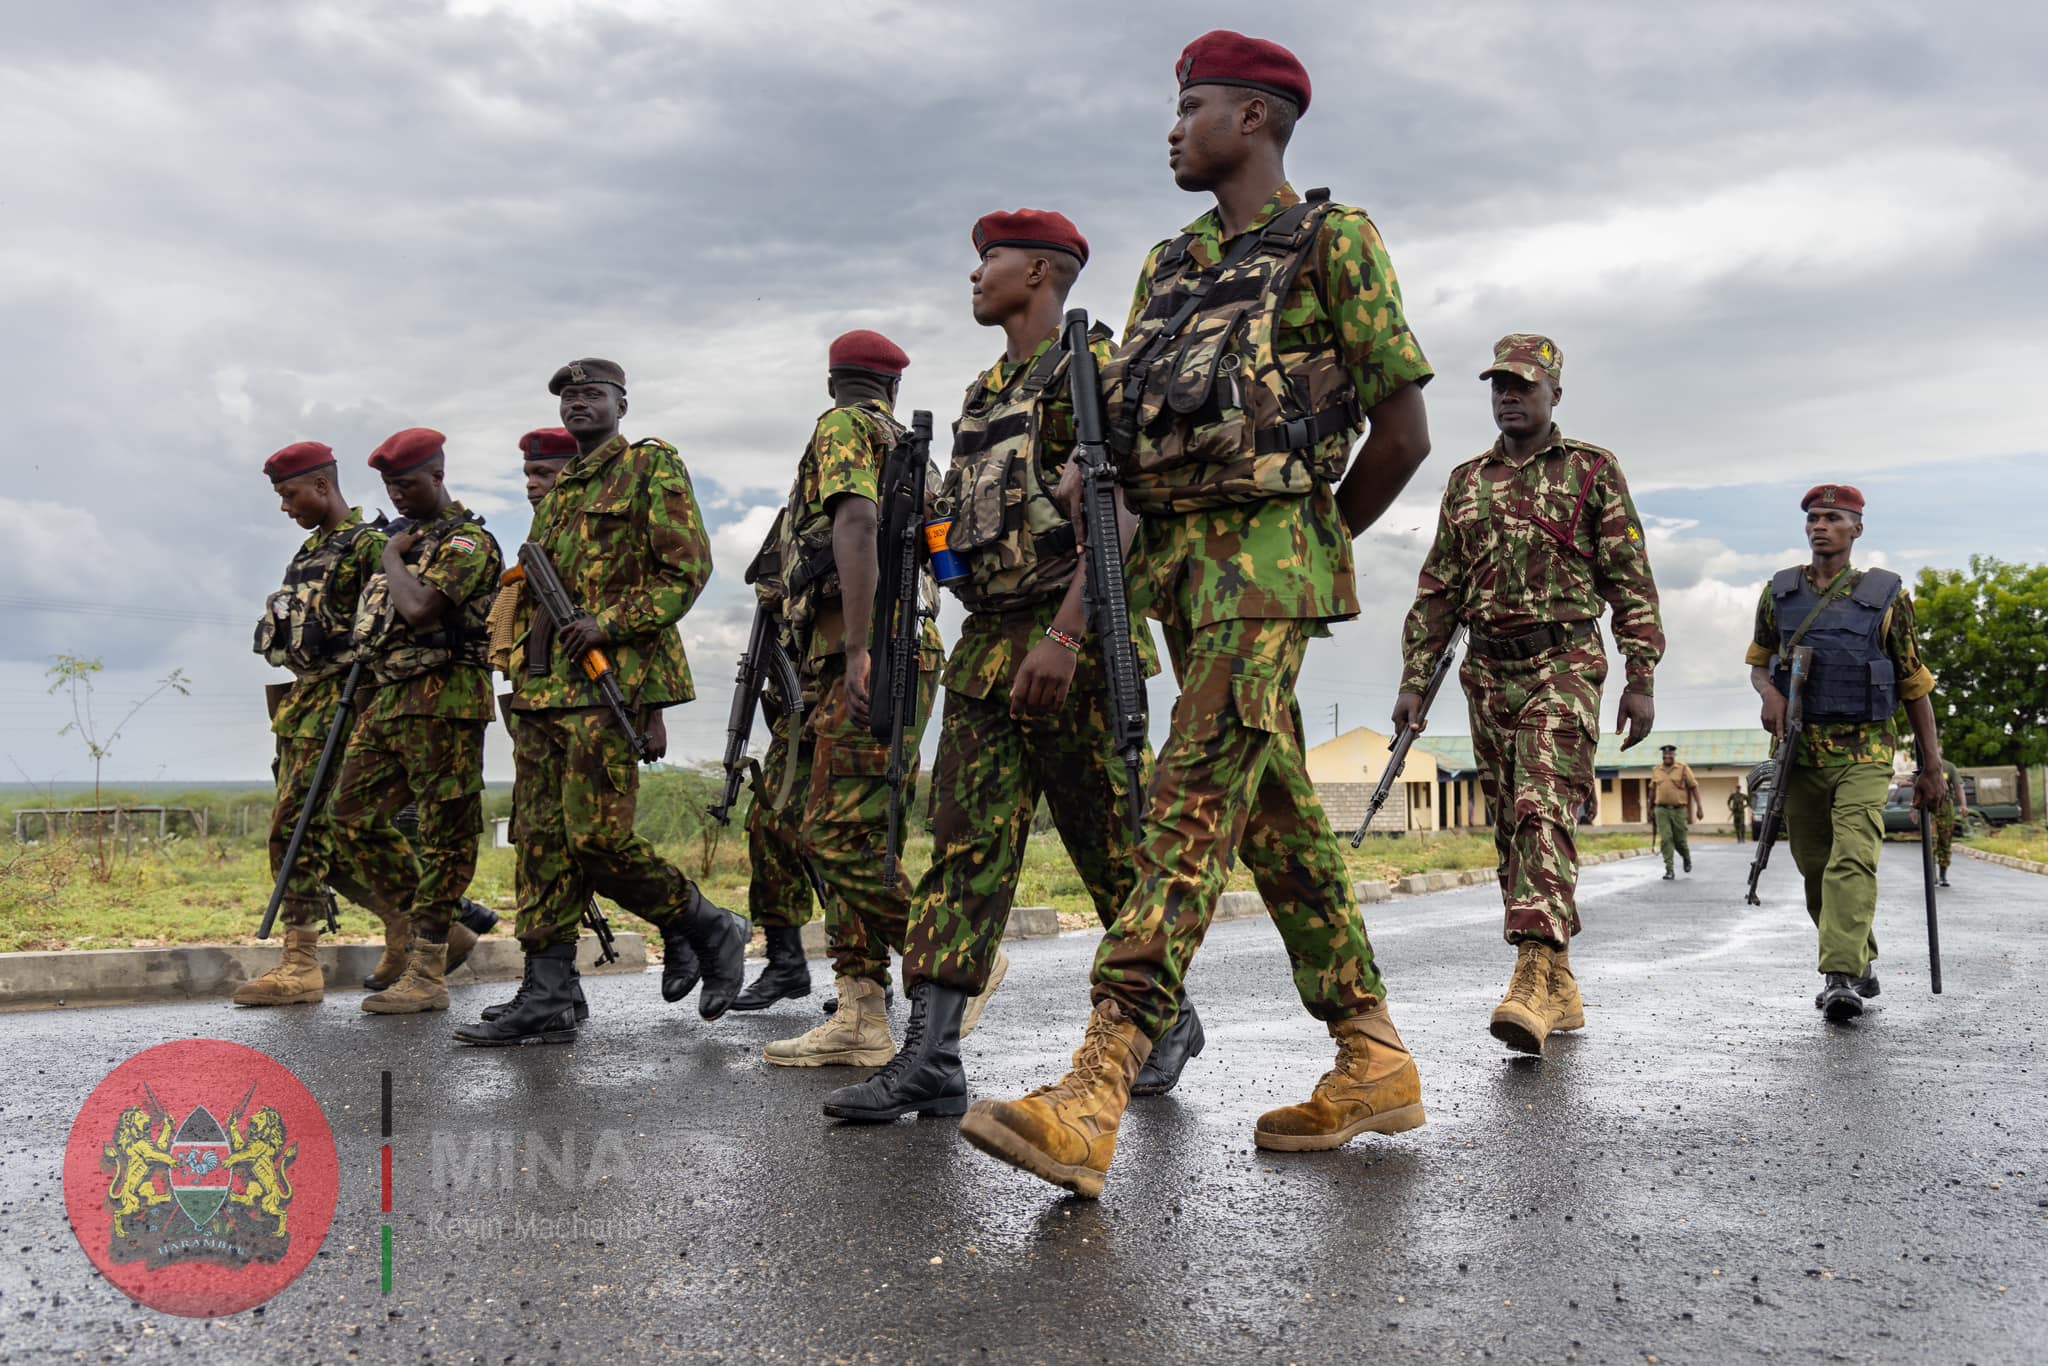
{"points": [[185, 1075]]}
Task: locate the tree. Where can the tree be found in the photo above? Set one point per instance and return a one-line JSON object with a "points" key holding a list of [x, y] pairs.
{"points": [[74, 673], [1985, 635]]}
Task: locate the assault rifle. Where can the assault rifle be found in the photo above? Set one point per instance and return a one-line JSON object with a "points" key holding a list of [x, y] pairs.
{"points": [[1772, 825], [1109, 609], [896, 643], [315, 794], [562, 610], [763, 657], [1397, 757]]}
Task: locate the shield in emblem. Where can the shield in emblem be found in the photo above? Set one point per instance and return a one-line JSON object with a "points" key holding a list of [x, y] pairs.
{"points": [[200, 1177]]}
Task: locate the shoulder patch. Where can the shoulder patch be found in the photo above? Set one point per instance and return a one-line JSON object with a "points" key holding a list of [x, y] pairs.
{"points": [[466, 544]]}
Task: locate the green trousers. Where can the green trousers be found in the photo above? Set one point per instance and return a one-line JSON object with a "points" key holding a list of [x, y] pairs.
{"points": [[1834, 819], [1671, 834]]}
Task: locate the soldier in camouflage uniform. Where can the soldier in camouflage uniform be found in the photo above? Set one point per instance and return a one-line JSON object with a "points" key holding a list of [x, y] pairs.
{"points": [[1261, 341], [1866, 663], [828, 561], [1534, 538], [306, 628], [1027, 711], [1954, 806], [420, 623], [622, 528]]}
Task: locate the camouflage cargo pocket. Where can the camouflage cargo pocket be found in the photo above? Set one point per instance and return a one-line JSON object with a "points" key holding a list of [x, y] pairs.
{"points": [[989, 506], [849, 786]]}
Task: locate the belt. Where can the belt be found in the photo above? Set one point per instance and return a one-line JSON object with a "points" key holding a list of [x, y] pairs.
{"points": [[1532, 643]]}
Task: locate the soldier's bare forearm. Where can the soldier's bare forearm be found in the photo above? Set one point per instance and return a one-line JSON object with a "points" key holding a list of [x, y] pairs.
{"points": [[1396, 444], [1926, 734], [1760, 679], [854, 527]]}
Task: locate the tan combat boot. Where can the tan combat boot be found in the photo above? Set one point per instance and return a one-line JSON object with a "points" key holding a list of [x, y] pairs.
{"points": [[1374, 1088], [1066, 1133], [857, 1035], [1521, 1020], [461, 939], [1567, 1009], [423, 987], [297, 980], [398, 937], [979, 1002]]}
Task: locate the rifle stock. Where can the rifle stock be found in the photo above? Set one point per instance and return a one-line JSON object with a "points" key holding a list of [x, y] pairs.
{"points": [[1104, 591], [1397, 756], [562, 610], [895, 642], [1772, 825], [316, 790]]}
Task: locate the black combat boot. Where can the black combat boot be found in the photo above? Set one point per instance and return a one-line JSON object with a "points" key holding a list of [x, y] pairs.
{"points": [[545, 1009], [1866, 985], [680, 970], [720, 938], [1161, 1072], [480, 918], [786, 977], [1838, 999], [526, 982], [925, 1075]]}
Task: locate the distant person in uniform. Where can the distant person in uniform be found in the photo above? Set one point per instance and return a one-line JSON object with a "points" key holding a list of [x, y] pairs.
{"points": [[1738, 813], [1675, 794]]}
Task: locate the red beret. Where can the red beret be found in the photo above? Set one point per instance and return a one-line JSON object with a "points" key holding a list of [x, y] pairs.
{"points": [[301, 457], [547, 443], [1226, 58], [1847, 497], [403, 450], [1030, 228], [871, 351]]}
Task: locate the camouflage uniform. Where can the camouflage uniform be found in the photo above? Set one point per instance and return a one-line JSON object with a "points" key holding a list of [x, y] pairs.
{"points": [[1945, 819], [421, 737], [991, 768], [1242, 561], [1835, 792], [623, 529], [779, 895], [340, 562], [1521, 546], [845, 799]]}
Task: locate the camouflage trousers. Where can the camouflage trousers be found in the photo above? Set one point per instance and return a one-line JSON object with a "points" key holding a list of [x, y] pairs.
{"points": [[1535, 729], [779, 894], [1230, 780], [320, 860], [845, 827], [1944, 831], [986, 784], [574, 786], [438, 764]]}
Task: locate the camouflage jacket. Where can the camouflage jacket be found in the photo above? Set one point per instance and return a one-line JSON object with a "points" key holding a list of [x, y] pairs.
{"points": [[442, 672], [1522, 543], [1288, 556], [845, 455], [624, 531], [1872, 742], [325, 579]]}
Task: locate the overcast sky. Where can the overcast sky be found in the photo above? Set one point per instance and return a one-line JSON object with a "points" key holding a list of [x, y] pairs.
{"points": [[1778, 244]]}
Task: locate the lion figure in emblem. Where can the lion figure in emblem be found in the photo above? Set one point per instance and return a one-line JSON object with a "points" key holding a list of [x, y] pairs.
{"points": [[135, 1155], [264, 1154]]}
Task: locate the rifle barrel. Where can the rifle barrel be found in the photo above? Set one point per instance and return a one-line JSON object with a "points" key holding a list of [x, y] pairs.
{"points": [[337, 730]]}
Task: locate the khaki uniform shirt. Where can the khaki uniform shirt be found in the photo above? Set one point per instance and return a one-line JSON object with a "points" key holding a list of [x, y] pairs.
{"points": [[1673, 786]]}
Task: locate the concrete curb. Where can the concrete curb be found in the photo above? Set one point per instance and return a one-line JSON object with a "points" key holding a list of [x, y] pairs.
{"points": [[98, 977], [1026, 922], [2005, 860]]}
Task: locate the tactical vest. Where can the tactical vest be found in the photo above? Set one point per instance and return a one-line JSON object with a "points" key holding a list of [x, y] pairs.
{"points": [[810, 576], [1016, 542], [1853, 679], [394, 648], [1204, 409], [302, 628]]}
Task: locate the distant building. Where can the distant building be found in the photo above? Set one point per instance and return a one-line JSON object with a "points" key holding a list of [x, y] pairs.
{"points": [[1440, 788]]}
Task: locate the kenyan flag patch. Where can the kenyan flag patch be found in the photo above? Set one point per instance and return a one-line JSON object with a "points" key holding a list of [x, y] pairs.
{"points": [[463, 543]]}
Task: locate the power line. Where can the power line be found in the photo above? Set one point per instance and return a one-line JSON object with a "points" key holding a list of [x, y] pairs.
{"points": [[140, 611]]}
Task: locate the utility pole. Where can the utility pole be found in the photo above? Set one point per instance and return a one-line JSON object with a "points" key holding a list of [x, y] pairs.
{"points": [[1335, 729]]}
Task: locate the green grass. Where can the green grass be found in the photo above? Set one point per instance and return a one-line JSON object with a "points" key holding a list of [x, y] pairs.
{"points": [[212, 891], [2029, 842]]}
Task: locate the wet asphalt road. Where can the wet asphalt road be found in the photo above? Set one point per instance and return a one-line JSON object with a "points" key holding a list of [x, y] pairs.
{"points": [[1708, 1173]]}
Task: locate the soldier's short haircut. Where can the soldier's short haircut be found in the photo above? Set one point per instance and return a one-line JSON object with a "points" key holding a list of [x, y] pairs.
{"points": [[1281, 112], [1066, 268]]}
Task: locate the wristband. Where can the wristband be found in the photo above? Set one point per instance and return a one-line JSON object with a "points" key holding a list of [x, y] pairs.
{"points": [[1071, 642]]}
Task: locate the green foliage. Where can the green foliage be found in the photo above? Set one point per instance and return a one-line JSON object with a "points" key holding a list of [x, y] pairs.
{"points": [[1985, 636]]}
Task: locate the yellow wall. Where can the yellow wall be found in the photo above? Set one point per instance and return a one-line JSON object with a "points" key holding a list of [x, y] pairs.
{"points": [[1360, 756]]}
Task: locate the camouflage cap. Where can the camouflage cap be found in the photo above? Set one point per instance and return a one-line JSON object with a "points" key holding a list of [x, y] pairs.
{"points": [[1528, 355], [589, 370]]}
